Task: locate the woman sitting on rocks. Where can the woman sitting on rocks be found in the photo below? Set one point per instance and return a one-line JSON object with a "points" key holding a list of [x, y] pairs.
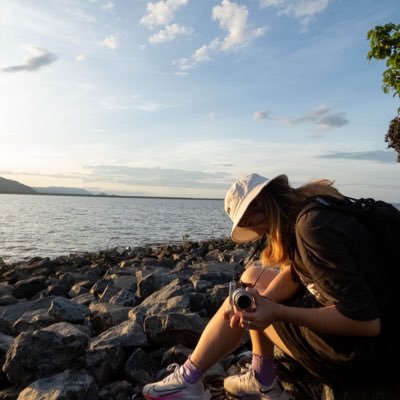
{"points": [[324, 307]]}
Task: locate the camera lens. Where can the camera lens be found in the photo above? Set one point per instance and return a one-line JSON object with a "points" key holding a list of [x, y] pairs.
{"points": [[243, 302]]}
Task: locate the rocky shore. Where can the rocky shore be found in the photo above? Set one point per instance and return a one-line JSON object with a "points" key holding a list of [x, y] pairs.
{"points": [[101, 325]]}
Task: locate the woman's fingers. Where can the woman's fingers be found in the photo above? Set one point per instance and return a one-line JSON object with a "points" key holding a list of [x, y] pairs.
{"points": [[236, 321]]}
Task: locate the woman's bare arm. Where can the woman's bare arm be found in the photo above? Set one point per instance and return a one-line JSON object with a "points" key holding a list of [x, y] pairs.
{"points": [[325, 319]]}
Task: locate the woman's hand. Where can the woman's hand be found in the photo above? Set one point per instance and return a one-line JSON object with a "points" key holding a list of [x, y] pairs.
{"points": [[323, 319], [263, 315]]}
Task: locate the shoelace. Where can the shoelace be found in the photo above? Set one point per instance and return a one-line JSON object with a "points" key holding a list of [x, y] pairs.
{"points": [[174, 374], [246, 372]]}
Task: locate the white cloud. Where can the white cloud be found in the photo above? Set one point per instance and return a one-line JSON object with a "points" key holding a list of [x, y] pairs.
{"points": [[79, 57], [107, 6], [201, 55], [232, 17], [382, 156], [322, 117], [261, 115], [303, 10], [145, 176], [161, 13], [81, 15], [169, 33], [111, 42], [269, 3], [306, 9], [113, 104], [38, 58], [313, 115], [332, 120]]}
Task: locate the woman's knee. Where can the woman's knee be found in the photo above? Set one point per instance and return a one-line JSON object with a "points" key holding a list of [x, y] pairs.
{"points": [[258, 275]]}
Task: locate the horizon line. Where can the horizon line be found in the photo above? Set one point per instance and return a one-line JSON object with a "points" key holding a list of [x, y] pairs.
{"points": [[116, 196]]}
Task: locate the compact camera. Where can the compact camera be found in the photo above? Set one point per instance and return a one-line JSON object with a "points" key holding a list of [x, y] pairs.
{"points": [[240, 298]]}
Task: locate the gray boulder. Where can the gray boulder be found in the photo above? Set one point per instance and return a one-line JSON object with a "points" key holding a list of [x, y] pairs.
{"points": [[71, 332], [34, 355], [174, 328], [68, 385], [14, 311], [176, 304], [151, 283], [124, 298], [127, 334], [140, 368], [120, 390], [66, 310], [104, 315], [6, 289], [27, 288], [104, 362], [33, 320]]}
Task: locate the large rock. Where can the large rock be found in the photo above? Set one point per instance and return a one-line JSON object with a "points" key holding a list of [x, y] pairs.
{"points": [[14, 311], [104, 362], [140, 368], [68, 385], [177, 304], [127, 282], [127, 334], [33, 320], [5, 344], [66, 310], [71, 332], [27, 288], [174, 328], [124, 298], [104, 316], [6, 289], [175, 288], [120, 390], [37, 354], [71, 278], [152, 283]]}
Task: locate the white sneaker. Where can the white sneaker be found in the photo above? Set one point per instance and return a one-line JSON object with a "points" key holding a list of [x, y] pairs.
{"points": [[246, 386], [174, 386]]}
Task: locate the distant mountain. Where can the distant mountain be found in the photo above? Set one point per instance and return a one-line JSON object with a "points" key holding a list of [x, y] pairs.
{"points": [[14, 187], [63, 190]]}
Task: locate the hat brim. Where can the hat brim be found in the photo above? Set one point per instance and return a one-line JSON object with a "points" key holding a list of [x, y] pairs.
{"points": [[242, 234]]}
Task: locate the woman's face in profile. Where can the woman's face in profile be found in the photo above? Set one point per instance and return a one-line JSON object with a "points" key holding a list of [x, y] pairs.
{"points": [[255, 217]]}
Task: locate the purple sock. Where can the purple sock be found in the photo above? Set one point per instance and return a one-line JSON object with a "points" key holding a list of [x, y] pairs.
{"points": [[191, 372], [264, 369]]}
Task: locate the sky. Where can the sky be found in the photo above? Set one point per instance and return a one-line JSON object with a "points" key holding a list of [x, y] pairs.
{"points": [[182, 97]]}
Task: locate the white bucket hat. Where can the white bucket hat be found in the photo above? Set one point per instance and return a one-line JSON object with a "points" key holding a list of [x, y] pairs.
{"points": [[238, 198]]}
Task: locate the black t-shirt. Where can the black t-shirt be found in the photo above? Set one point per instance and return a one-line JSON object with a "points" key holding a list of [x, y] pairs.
{"points": [[337, 262], [337, 255]]}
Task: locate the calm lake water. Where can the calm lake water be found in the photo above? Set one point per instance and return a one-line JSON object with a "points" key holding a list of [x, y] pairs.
{"points": [[49, 226]]}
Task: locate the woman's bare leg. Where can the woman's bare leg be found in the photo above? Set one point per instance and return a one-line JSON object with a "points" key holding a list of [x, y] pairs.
{"points": [[271, 334], [263, 342], [219, 339]]}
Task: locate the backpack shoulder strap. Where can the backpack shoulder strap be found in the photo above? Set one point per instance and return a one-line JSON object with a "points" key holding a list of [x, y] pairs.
{"points": [[348, 205]]}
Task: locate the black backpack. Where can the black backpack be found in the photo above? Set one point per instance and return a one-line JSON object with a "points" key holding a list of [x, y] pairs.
{"points": [[382, 219]]}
